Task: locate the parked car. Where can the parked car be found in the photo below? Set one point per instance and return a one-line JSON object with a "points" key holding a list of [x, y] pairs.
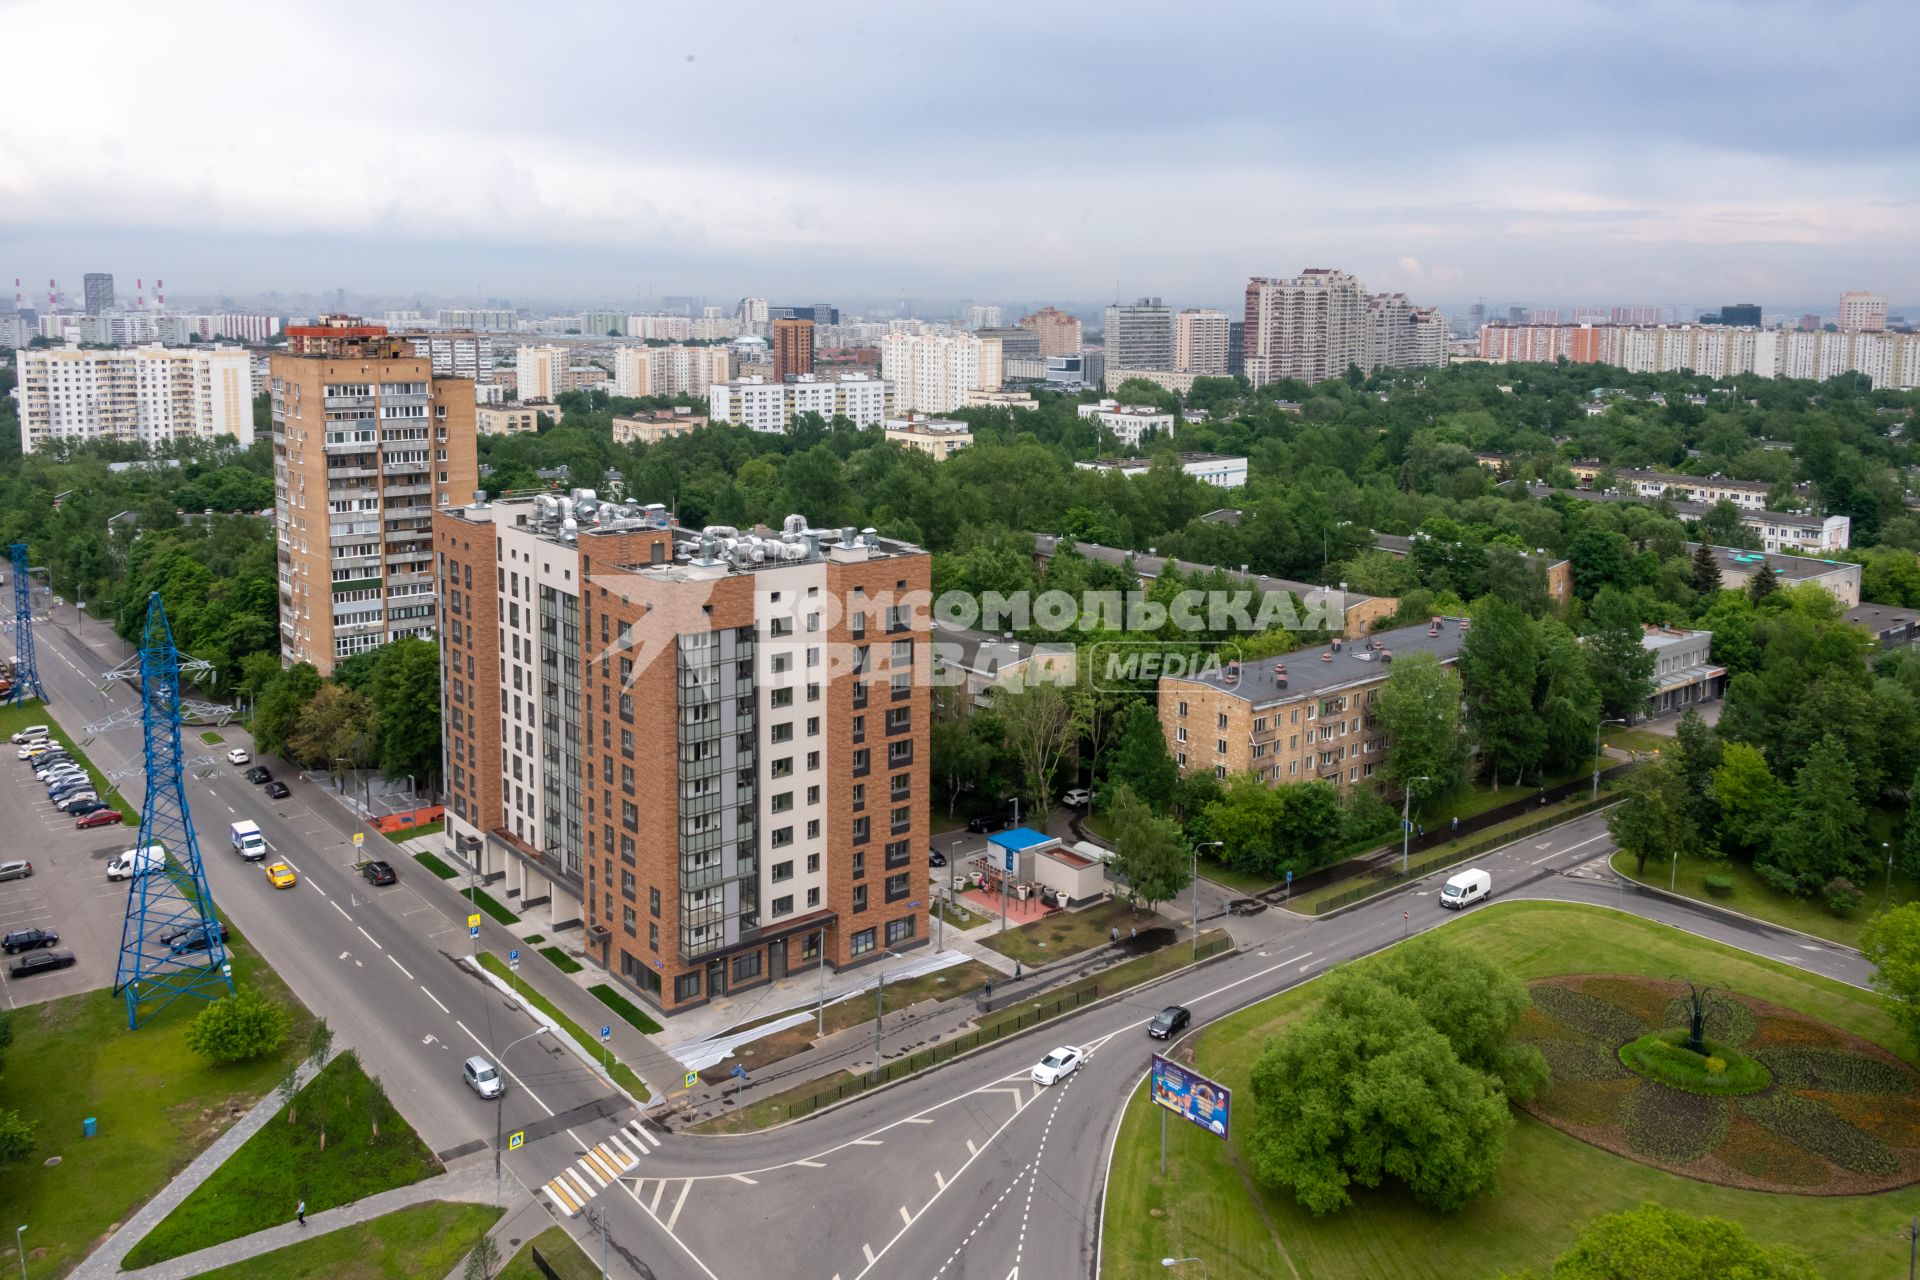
{"points": [[482, 1078], [40, 962], [32, 733], [65, 803], [238, 755], [1076, 798], [71, 787], [258, 774], [277, 791], [187, 941], [49, 758], [1169, 1022], [98, 818], [65, 773], [378, 872], [15, 869], [85, 807], [989, 822], [29, 939], [935, 858], [1059, 1064]]}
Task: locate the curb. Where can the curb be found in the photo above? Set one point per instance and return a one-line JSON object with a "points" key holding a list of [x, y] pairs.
{"points": [[1702, 904], [559, 1032], [979, 1048]]}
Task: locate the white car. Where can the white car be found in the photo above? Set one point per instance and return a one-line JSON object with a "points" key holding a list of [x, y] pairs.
{"points": [[1076, 798], [1059, 1064], [238, 756], [32, 733]]}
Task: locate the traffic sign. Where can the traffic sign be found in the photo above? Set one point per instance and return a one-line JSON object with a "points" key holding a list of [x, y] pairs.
{"points": [[738, 1071], [473, 931], [517, 1139], [606, 1034], [473, 921], [513, 959], [693, 1078], [359, 838], [1289, 875]]}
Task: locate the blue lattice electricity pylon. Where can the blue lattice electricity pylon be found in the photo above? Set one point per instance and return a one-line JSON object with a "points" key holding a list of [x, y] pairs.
{"points": [[169, 907], [26, 673]]}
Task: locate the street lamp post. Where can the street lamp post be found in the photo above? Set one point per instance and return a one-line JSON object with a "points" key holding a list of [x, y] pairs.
{"points": [[1006, 873], [880, 1010], [1174, 1262], [20, 1248], [820, 1025], [1596, 754], [1406, 824], [1886, 899], [1211, 844], [499, 1107]]}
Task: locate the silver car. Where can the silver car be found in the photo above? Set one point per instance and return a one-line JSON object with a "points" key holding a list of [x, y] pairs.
{"points": [[482, 1078]]}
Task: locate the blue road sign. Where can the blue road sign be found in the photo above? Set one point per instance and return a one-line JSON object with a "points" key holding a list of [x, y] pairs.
{"points": [[473, 931], [739, 1071], [1289, 876], [606, 1034], [515, 953]]}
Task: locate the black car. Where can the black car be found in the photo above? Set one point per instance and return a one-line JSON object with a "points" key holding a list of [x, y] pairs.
{"points": [[277, 791], [378, 872], [258, 774], [192, 937], [1169, 1022], [935, 858], [81, 808], [29, 939], [40, 962], [989, 822]]}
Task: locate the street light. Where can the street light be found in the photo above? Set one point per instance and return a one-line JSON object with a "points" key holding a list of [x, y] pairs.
{"points": [[1886, 899], [1596, 754], [1211, 844], [1006, 874], [20, 1249], [1406, 826], [1174, 1262], [499, 1106]]}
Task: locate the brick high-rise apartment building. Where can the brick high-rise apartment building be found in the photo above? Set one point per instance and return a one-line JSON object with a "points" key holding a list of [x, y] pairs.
{"points": [[1059, 333], [707, 748], [366, 444], [792, 348]]}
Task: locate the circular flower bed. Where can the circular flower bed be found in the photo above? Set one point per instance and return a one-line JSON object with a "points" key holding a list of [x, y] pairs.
{"points": [[1782, 1102]]}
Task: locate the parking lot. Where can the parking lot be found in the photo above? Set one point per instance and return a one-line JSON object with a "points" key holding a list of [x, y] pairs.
{"points": [[67, 892]]}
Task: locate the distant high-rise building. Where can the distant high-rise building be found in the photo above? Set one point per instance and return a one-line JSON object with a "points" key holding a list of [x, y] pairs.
{"points": [[753, 312], [540, 373], [1809, 323], [1477, 316], [1310, 326], [456, 354], [771, 406], [140, 395], [1635, 315], [1140, 335], [99, 287], [932, 373], [1741, 313], [1519, 315], [367, 443], [1200, 341], [1236, 347], [983, 318], [491, 319], [792, 348], [1059, 333], [1863, 312], [1015, 342], [669, 371]]}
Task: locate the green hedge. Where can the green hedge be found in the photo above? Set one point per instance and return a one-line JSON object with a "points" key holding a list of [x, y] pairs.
{"points": [[626, 1008]]}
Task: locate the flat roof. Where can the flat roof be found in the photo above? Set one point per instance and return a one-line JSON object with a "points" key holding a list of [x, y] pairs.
{"points": [[1881, 617], [1691, 510], [1401, 544], [1320, 669], [1152, 566], [1018, 838], [1743, 560]]}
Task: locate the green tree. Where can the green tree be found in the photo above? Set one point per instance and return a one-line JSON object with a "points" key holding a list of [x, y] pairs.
{"points": [[1149, 852], [17, 1137], [239, 1028], [1654, 1242], [1140, 760], [335, 725], [1706, 570], [1419, 709], [1499, 665], [1363, 1090], [1750, 799], [1566, 699], [1622, 666], [1471, 1001], [1891, 943], [1651, 819], [484, 1262], [1699, 751], [1820, 838], [1040, 726], [1761, 585], [1910, 833], [281, 702], [963, 758], [405, 696]]}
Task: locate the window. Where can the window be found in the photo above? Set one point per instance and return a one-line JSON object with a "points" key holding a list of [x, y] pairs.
{"points": [[653, 938], [901, 820], [859, 796], [630, 815], [783, 732], [783, 801], [862, 942], [783, 767], [653, 901], [813, 862], [1183, 709], [782, 837], [813, 726], [859, 728], [1223, 720], [626, 849], [629, 921], [813, 759], [1220, 746], [746, 967], [813, 898], [900, 753], [900, 930], [859, 897], [629, 888], [813, 795], [862, 762], [859, 863], [781, 698], [687, 986], [862, 829], [897, 887], [782, 871]]}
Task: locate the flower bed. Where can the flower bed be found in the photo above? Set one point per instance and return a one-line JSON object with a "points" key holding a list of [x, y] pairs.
{"points": [[1833, 1070], [1588, 1014], [1671, 1126], [1807, 1124]]}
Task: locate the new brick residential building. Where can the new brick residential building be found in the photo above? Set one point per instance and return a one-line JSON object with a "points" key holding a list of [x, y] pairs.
{"points": [[707, 749], [792, 348]]}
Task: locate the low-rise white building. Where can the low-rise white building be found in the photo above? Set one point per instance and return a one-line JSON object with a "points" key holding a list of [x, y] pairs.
{"points": [[941, 437], [1129, 422], [764, 405], [1215, 468]]}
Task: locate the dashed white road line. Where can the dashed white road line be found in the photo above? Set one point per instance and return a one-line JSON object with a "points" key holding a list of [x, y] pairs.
{"points": [[402, 968], [435, 999], [342, 910], [368, 936]]}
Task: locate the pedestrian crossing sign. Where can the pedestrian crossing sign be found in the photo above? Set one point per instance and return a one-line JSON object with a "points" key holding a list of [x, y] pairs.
{"points": [[517, 1139], [693, 1078]]}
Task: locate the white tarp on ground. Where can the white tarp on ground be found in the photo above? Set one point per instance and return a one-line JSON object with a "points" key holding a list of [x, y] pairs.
{"points": [[698, 1055]]}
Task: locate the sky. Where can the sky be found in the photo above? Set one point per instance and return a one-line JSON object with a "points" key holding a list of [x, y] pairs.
{"points": [[1684, 151]]}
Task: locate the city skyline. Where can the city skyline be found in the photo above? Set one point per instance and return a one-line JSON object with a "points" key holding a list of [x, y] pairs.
{"points": [[1684, 180]]}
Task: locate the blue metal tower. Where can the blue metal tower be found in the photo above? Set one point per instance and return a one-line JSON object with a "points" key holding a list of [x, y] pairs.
{"points": [[26, 673], [171, 900]]}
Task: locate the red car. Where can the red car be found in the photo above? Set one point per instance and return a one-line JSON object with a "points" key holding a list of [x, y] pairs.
{"points": [[98, 818]]}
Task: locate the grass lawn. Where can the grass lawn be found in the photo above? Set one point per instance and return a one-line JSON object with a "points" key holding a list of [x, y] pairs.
{"points": [[561, 960], [1068, 933], [14, 719], [1550, 1184], [158, 1106], [421, 1240], [434, 865], [1478, 797], [559, 1250], [632, 1013], [1246, 883], [211, 738], [285, 1163], [854, 1011], [414, 833], [1641, 740], [958, 916], [479, 897], [1755, 897], [620, 1071]]}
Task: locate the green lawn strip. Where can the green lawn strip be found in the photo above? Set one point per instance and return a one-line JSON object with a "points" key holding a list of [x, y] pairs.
{"points": [[1755, 897], [1550, 1184], [211, 738], [422, 1240], [946, 984], [632, 1013], [534, 939], [804, 1098], [1068, 933], [1245, 883], [157, 1104], [1640, 740], [434, 865], [559, 1251], [479, 897], [621, 1072], [414, 833], [561, 960], [284, 1163], [14, 719]]}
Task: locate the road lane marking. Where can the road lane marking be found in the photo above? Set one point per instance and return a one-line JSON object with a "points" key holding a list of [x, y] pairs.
{"points": [[368, 936], [868, 1250], [653, 1206], [940, 1178], [679, 1204], [503, 1066], [436, 1000], [741, 1177], [918, 1120], [810, 1164], [402, 968], [867, 1142], [587, 1167], [342, 910], [905, 1216], [1569, 849]]}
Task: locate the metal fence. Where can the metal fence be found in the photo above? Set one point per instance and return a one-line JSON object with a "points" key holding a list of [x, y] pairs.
{"points": [[1418, 867]]}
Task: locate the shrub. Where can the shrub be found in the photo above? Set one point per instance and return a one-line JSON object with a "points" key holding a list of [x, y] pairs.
{"points": [[1728, 1020], [1842, 895], [1663, 1056], [1720, 886], [239, 1028], [1820, 1131], [16, 1136], [1716, 1066], [560, 960], [1834, 1070], [1672, 1126], [1596, 1017]]}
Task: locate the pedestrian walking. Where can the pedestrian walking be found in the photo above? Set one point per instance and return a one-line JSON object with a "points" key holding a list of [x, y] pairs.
{"points": [[300, 1214], [1113, 934], [1133, 933], [989, 988], [1422, 828], [1016, 971], [1456, 824]]}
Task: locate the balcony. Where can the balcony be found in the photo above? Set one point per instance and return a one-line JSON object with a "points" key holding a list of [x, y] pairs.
{"points": [[408, 490], [348, 471]]}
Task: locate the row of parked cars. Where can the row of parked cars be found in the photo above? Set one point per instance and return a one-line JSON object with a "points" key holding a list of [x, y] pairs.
{"points": [[71, 791]]}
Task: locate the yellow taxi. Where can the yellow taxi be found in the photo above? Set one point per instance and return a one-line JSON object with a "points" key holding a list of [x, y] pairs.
{"points": [[281, 875]]}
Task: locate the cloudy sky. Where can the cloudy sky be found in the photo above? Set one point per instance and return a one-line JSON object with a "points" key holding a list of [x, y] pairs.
{"points": [[1682, 151]]}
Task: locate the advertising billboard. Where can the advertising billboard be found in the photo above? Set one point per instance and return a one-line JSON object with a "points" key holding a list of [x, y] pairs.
{"points": [[1195, 1097]]}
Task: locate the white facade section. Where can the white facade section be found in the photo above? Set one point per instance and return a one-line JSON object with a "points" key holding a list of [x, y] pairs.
{"points": [[143, 395]]}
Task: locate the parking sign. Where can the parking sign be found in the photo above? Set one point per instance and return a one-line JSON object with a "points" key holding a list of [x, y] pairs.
{"points": [[606, 1034]]}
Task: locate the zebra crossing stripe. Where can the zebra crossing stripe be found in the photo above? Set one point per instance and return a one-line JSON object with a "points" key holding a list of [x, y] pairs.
{"points": [[640, 1130], [624, 1149], [582, 1190], [591, 1172], [562, 1201]]}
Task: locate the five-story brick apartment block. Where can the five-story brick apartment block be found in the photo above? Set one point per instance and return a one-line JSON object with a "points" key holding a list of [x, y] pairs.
{"points": [[707, 748], [366, 444]]}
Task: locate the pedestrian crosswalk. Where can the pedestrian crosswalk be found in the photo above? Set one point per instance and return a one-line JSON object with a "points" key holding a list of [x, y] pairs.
{"points": [[599, 1166]]}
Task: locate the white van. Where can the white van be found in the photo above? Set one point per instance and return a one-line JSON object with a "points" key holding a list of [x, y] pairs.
{"points": [[32, 733], [1465, 887], [247, 840], [137, 862]]}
